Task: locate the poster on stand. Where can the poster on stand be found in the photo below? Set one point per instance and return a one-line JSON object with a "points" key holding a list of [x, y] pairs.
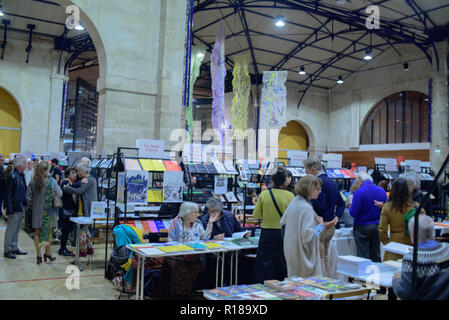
{"points": [[137, 186], [121, 188], [334, 160], [173, 186], [297, 157], [220, 185], [98, 210], [151, 148]]}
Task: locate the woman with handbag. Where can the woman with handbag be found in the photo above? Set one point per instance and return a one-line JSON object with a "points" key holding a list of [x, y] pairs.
{"points": [[42, 194], [69, 202], [270, 261]]}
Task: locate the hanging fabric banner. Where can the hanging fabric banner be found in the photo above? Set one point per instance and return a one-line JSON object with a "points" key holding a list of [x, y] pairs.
{"points": [[218, 71], [198, 53], [241, 84], [273, 113]]}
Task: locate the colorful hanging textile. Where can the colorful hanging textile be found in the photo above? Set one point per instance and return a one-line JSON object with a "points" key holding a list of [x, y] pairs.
{"points": [[241, 84], [198, 53], [273, 113], [218, 71]]}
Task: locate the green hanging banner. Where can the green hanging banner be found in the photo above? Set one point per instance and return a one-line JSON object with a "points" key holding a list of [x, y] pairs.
{"points": [[198, 53], [241, 84]]}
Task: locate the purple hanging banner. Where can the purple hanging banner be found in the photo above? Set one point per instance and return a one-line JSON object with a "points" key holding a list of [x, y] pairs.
{"points": [[218, 71]]}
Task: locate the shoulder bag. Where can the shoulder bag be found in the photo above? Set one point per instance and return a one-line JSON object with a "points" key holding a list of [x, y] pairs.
{"points": [[278, 210], [57, 201]]}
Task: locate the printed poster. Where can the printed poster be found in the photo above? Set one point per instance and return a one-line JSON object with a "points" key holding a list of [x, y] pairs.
{"points": [[173, 186], [220, 185], [121, 188], [137, 186]]}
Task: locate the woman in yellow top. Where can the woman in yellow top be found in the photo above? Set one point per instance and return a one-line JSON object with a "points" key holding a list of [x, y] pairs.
{"points": [[393, 211], [270, 261]]}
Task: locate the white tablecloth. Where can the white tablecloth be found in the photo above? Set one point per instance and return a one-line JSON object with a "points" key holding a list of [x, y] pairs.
{"points": [[343, 244]]}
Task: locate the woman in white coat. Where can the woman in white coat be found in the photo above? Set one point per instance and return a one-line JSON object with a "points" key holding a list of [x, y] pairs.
{"points": [[302, 229]]}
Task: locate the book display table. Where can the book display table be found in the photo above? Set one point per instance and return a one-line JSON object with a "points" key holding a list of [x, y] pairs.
{"points": [[292, 288], [171, 249]]}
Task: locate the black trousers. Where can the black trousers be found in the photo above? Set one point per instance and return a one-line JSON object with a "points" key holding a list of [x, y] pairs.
{"points": [[270, 260], [367, 241], [66, 227]]}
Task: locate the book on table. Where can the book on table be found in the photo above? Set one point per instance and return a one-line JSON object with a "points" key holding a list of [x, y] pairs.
{"points": [[197, 246], [398, 248], [280, 285]]}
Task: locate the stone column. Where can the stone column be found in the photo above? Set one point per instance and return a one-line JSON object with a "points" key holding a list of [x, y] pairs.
{"points": [[355, 120], [439, 147], [55, 107]]}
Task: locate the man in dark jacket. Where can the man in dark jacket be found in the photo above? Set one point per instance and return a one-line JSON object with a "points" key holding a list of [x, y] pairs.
{"points": [[432, 266], [329, 205], [224, 227], [366, 216], [15, 199]]}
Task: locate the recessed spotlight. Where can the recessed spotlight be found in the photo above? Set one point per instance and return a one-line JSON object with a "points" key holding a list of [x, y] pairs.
{"points": [[340, 80], [200, 55], [279, 21], [302, 70]]}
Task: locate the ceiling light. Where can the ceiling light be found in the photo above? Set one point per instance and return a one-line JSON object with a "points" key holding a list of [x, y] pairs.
{"points": [[368, 54], [200, 55], [79, 27], [405, 66], [279, 21], [302, 71], [341, 1], [1, 11], [340, 80]]}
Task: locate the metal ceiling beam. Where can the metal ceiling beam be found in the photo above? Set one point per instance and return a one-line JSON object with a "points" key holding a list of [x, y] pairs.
{"points": [[48, 2], [33, 18], [203, 5], [242, 17], [426, 11], [298, 47]]}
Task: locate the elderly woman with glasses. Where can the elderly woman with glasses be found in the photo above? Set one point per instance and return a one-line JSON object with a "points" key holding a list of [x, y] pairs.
{"points": [[225, 222], [302, 230]]}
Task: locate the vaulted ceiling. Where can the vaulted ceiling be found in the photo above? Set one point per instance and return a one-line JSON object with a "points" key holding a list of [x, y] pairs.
{"points": [[328, 37]]}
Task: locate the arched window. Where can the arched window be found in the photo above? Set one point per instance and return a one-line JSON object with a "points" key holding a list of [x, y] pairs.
{"points": [[399, 118]]}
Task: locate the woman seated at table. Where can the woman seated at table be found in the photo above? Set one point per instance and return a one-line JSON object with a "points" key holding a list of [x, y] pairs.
{"points": [[179, 273], [302, 230], [186, 227]]}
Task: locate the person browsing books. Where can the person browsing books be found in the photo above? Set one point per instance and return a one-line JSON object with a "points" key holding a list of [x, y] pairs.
{"points": [[392, 217], [329, 205], [225, 224], [302, 230], [270, 261], [366, 218]]}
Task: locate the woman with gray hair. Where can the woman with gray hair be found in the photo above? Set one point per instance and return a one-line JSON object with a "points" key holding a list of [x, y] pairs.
{"points": [[186, 227]]}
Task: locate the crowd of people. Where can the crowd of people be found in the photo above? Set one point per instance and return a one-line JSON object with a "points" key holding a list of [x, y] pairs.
{"points": [[298, 222], [35, 186]]}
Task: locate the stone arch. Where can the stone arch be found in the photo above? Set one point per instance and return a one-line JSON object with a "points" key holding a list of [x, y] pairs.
{"points": [[18, 101], [92, 30], [310, 136]]}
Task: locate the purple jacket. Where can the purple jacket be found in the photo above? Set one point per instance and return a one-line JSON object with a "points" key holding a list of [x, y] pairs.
{"points": [[363, 209]]}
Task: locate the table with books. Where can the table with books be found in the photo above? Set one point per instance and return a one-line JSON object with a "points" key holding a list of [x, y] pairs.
{"points": [[292, 288], [170, 249]]}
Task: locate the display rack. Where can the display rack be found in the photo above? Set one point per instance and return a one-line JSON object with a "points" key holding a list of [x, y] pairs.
{"points": [[200, 178]]}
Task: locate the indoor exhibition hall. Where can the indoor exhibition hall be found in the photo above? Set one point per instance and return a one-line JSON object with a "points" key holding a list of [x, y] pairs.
{"points": [[206, 150]]}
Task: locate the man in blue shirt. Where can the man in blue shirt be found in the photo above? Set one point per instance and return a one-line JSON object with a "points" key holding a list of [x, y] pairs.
{"points": [[329, 205], [366, 218]]}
